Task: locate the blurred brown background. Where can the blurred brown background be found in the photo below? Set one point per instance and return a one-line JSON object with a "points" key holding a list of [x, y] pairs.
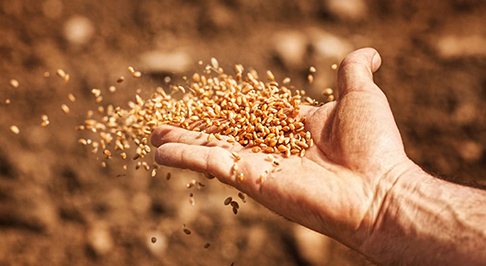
{"points": [[58, 206]]}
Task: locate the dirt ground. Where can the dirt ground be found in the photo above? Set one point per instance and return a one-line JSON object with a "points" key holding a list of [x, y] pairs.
{"points": [[59, 206]]}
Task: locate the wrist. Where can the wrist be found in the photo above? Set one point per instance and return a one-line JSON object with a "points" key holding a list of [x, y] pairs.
{"points": [[402, 183]]}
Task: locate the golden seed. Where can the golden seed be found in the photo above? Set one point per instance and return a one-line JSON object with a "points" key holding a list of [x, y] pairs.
{"points": [[234, 168], [241, 177], [236, 156], [330, 98], [8, 101], [310, 79], [256, 149], [131, 69], [71, 97], [214, 63], [137, 74], [328, 91], [65, 109], [312, 69], [60, 73], [334, 66], [83, 142], [14, 83], [286, 80], [123, 155], [210, 137], [96, 92], [112, 88], [14, 129], [47, 74], [276, 163], [120, 79], [270, 158], [66, 77], [218, 136], [45, 123], [270, 75], [154, 172]]}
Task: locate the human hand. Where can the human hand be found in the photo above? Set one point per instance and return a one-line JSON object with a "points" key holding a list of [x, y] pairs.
{"points": [[338, 187]]}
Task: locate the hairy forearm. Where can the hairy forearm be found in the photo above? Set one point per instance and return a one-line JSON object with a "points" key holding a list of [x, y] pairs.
{"points": [[428, 221]]}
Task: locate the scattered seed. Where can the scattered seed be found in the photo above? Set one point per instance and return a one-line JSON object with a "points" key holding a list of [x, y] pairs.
{"points": [[228, 200], [71, 97], [167, 177], [103, 164], [120, 79], [207, 245], [270, 158], [328, 91], [137, 74], [131, 69], [96, 92], [47, 74], [60, 73], [334, 66], [153, 240], [112, 88], [312, 69], [235, 211], [242, 197], [270, 75], [14, 83], [154, 172], [14, 129], [66, 77], [236, 156], [8, 101], [310, 78], [286, 80], [235, 205], [186, 230], [241, 177], [65, 109], [214, 63]]}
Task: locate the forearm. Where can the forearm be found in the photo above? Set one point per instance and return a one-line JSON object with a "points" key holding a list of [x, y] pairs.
{"points": [[428, 221]]}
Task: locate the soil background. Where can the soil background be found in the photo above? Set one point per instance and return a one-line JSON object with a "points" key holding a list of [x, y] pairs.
{"points": [[59, 206]]}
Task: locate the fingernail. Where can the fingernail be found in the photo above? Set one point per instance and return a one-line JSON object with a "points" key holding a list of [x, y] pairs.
{"points": [[375, 62]]}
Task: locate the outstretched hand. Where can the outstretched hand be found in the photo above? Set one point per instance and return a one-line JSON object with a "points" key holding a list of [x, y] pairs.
{"points": [[338, 187]]}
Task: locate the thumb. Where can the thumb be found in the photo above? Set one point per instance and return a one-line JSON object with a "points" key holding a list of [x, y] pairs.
{"points": [[356, 71]]}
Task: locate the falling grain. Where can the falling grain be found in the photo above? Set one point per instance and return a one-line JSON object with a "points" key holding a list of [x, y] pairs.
{"points": [[14, 83], [14, 129]]}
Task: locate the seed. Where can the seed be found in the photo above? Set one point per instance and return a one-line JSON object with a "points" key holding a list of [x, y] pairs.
{"points": [[167, 177], [270, 158], [330, 98], [83, 142], [65, 109], [14, 129], [153, 240], [14, 83], [276, 163], [242, 197], [270, 75], [210, 137], [228, 200], [310, 78], [236, 156], [207, 245], [334, 66], [235, 205], [327, 91], [112, 88], [286, 80], [103, 164], [154, 172], [123, 155], [96, 92], [60, 73], [187, 231], [137, 74], [214, 63], [107, 153], [120, 79], [47, 74], [235, 211], [256, 149], [131, 69], [234, 168], [45, 123], [218, 136], [241, 177], [192, 201], [8, 101], [66, 77], [312, 69]]}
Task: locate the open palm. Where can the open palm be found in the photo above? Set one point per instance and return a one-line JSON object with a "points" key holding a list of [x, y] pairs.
{"points": [[338, 186]]}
